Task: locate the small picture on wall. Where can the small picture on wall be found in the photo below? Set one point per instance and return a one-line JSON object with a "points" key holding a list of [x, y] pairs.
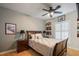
{"points": [[61, 18], [10, 28]]}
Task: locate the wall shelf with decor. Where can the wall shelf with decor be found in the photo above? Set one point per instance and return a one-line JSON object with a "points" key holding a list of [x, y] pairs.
{"points": [[48, 30], [78, 28], [77, 5]]}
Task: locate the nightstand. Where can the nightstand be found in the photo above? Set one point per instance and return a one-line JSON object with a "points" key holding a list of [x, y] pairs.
{"points": [[22, 45]]}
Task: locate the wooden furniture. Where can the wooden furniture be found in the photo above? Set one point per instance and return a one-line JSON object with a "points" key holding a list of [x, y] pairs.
{"points": [[59, 49], [33, 32], [22, 45]]}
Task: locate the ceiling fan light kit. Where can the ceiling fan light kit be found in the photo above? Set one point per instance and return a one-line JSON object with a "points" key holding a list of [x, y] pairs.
{"points": [[51, 11]]}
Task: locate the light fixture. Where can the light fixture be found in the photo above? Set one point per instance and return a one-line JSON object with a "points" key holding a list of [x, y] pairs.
{"points": [[51, 14]]}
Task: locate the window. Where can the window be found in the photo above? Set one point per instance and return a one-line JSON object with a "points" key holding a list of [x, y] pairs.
{"points": [[61, 30]]}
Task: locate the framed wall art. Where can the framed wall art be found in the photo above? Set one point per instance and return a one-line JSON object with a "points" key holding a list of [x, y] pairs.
{"points": [[61, 18], [10, 28]]}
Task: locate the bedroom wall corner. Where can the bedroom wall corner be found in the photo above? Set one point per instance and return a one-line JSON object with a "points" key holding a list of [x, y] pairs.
{"points": [[22, 21]]}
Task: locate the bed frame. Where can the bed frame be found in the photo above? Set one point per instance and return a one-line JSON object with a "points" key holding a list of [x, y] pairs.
{"points": [[60, 48]]}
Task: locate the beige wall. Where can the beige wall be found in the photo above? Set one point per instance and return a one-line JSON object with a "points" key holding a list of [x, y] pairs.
{"points": [[22, 21]]}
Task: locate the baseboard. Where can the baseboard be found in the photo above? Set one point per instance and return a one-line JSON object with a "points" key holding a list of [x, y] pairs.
{"points": [[8, 51], [73, 49]]}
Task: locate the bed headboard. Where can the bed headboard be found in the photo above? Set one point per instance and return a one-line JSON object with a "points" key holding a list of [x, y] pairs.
{"points": [[32, 32]]}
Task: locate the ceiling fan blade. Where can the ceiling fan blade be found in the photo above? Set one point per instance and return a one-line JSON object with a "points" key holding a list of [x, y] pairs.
{"points": [[57, 12], [57, 7], [44, 14], [45, 10]]}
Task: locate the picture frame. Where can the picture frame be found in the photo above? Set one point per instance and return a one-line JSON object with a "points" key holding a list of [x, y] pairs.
{"points": [[61, 18], [10, 29]]}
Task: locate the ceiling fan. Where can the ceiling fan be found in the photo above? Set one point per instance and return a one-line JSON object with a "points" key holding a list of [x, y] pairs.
{"points": [[52, 10]]}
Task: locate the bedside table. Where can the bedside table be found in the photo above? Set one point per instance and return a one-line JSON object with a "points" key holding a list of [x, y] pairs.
{"points": [[22, 45]]}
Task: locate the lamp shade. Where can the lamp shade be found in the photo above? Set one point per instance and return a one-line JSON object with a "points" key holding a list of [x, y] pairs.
{"points": [[44, 31], [22, 32]]}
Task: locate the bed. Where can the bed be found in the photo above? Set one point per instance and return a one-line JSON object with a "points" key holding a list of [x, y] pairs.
{"points": [[47, 46]]}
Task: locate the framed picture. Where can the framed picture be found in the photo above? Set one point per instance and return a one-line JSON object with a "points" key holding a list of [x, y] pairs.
{"points": [[10, 28], [61, 18]]}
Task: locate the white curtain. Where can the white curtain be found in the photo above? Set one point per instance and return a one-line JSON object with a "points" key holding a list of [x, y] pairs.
{"points": [[61, 30]]}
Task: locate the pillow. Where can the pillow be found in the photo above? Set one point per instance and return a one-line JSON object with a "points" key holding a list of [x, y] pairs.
{"points": [[32, 36], [38, 36]]}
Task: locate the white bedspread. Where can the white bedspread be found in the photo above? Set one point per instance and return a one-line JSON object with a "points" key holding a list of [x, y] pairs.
{"points": [[44, 46]]}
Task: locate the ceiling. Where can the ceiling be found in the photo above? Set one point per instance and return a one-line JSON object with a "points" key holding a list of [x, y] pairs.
{"points": [[35, 9]]}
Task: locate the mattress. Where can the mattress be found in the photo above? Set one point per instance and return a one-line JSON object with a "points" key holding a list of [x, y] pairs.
{"points": [[44, 46]]}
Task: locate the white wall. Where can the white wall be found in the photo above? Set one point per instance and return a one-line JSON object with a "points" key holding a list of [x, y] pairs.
{"points": [[73, 40], [28, 23], [22, 21]]}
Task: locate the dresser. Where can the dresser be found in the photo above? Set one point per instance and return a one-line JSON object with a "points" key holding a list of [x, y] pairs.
{"points": [[22, 45]]}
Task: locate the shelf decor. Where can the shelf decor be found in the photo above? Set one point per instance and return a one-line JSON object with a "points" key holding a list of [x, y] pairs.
{"points": [[77, 29], [77, 5], [47, 32], [10, 28]]}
